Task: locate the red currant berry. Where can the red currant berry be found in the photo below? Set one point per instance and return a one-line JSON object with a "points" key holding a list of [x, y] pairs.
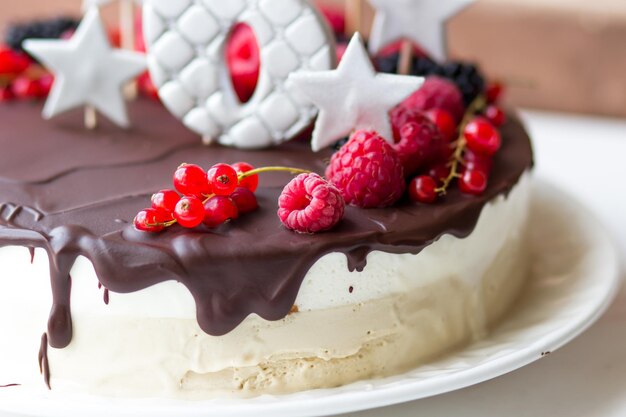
{"points": [[6, 94], [245, 200], [494, 92], [482, 137], [218, 210], [223, 179], [252, 182], [445, 123], [150, 220], [189, 212], [440, 171], [495, 115], [191, 179], [165, 200], [473, 182], [423, 189], [477, 162], [25, 88]]}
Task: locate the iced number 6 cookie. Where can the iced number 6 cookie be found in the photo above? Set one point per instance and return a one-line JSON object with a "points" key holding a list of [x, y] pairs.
{"points": [[186, 41]]}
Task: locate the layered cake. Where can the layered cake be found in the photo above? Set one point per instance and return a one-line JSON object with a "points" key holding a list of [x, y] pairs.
{"points": [[362, 260]]}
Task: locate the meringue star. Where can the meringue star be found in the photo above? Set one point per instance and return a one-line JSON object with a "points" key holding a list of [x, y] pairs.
{"points": [[353, 96], [87, 70], [421, 21]]}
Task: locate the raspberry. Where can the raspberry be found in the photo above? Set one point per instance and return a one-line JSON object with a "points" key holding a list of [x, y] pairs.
{"points": [[420, 143], [367, 171], [437, 93], [309, 204]]}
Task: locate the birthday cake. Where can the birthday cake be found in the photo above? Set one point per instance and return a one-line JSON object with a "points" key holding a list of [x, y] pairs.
{"points": [[270, 259]]}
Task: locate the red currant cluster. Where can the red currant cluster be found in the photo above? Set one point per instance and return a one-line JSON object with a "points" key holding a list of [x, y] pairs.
{"points": [[436, 142], [21, 77], [472, 144], [212, 197]]}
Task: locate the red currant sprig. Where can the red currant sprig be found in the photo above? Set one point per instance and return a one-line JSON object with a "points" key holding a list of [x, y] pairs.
{"points": [[472, 155], [221, 194]]}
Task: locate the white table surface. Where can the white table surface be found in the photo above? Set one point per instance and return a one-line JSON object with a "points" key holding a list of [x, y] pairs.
{"points": [[586, 157]]}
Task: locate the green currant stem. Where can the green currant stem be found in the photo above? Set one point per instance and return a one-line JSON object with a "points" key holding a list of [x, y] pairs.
{"points": [[475, 107], [272, 169]]}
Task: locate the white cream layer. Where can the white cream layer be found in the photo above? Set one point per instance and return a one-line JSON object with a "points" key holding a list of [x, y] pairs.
{"points": [[148, 343]]}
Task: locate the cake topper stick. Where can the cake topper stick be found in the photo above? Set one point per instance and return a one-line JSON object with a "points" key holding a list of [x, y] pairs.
{"points": [[354, 17], [91, 117], [127, 32], [127, 28], [405, 61], [353, 96], [88, 72], [419, 21]]}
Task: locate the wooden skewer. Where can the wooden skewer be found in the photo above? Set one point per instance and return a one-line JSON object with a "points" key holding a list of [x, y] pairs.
{"points": [[354, 17], [405, 61], [91, 118], [127, 28]]}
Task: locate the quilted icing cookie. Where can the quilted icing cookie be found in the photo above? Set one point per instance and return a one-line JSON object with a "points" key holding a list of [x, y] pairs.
{"points": [[186, 41]]}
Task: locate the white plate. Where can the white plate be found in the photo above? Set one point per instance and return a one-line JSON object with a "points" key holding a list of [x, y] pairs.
{"points": [[574, 278]]}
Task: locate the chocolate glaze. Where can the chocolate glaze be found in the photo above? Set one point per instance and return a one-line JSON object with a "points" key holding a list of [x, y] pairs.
{"points": [[44, 365], [74, 192]]}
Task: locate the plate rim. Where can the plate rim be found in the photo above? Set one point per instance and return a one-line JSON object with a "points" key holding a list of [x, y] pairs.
{"points": [[335, 401]]}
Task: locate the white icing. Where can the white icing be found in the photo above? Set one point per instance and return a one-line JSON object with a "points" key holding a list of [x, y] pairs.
{"points": [[186, 43]]}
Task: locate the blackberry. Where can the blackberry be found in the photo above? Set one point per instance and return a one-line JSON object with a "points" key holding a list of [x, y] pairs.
{"points": [[339, 144], [465, 75], [420, 66], [40, 29]]}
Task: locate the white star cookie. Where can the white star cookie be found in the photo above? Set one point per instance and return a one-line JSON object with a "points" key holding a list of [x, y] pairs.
{"points": [[421, 21], [353, 97], [88, 71]]}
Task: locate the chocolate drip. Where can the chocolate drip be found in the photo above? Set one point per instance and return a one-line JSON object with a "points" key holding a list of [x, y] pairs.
{"points": [[80, 197], [44, 366], [10, 385], [31, 250]]}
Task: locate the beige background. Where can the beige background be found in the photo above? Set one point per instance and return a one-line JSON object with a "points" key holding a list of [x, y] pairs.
{"points": [[566, 55]]}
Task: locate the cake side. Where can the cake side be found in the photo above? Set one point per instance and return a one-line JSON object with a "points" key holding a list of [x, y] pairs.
{"points": [[79, 202], [347, 325]]}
